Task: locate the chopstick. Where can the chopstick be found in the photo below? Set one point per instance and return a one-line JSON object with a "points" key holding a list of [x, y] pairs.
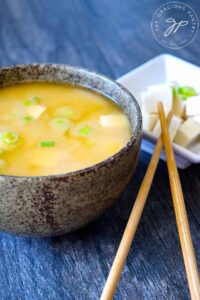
{"points": [[132, 224], [180, 212]]}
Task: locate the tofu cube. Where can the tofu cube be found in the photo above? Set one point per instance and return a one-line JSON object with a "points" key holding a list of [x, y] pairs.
{"points": [[173, 128], [155, 94], [36, 111], [149, 120], [192, 106], [113, 120], [188, 132], [178, 106]]}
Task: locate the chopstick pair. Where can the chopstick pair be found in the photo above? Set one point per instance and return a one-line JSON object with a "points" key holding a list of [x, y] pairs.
{"points": [[180, 212]]}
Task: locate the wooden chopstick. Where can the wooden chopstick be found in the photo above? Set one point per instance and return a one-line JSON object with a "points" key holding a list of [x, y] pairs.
{"points": [[180, 212], [132, 224]]}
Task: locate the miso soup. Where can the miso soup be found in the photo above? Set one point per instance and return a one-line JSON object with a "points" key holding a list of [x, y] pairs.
{"points": [[48, 128]]}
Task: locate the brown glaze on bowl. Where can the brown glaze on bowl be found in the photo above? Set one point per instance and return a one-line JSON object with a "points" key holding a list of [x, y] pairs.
{"points": [[57, 204]]}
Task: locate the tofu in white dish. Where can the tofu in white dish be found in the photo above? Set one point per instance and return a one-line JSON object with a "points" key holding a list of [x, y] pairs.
{"points": [[173, 128], [188, 132], [154, 94], [149, 120], [179, 106], [192, 106], [183, 101]]}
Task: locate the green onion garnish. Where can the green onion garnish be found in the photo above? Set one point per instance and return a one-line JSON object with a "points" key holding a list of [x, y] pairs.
{"points": [[174, 91], [27, 119], [47, 143], [186, 91], [10, 137], [36, 100], [60, 123], [27, 102], [67, 112], [33, 101], [85, 130], [184, 97]]}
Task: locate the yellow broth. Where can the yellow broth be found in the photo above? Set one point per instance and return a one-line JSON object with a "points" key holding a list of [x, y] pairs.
{"points": [[48, 128]]}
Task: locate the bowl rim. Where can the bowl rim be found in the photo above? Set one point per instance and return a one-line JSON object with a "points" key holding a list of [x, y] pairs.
{"points": [[137, 130]]}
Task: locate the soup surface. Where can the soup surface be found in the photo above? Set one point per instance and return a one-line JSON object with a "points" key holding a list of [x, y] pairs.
{"points": [[48, 128]]}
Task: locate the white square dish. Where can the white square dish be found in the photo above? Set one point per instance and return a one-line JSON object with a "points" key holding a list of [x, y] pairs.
{"points": [[164, 68]]}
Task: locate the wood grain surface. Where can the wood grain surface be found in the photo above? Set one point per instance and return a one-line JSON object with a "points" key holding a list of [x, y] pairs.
{"points": [[112, 37]]}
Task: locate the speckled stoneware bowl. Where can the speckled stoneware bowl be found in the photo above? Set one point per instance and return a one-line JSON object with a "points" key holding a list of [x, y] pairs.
{"points": [[57, 204]]}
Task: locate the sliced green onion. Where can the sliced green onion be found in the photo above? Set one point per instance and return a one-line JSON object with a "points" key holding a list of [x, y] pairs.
{"points": [[36, 100], [10, 137], [184, 97], [186, 91], [27, 119], [174, 91], [33, 101], [27, 102], [47, 143], [67, 112], [60, 123], [85, 130]]}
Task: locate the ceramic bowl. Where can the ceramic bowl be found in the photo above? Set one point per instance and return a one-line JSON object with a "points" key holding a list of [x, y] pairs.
{"points": [[58, 204]]}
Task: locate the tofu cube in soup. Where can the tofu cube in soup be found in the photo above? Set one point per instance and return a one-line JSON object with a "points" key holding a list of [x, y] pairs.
{"points": [[36, 111], [114, 120]]}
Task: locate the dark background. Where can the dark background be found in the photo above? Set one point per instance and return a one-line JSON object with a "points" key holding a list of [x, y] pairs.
{"points": [[112, 37]]}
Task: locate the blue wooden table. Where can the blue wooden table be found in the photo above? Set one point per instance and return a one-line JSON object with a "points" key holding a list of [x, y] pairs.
{"points": [[112, 37]]}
